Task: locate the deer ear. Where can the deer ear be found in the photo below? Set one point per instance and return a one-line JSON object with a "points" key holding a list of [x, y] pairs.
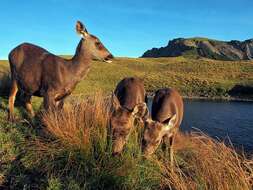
{"points": [[141, 111], [115, 102], [80, 29], [169, 123]]}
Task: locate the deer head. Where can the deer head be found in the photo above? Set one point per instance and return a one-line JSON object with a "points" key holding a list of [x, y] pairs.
{"points": [[92, 44], [122, 120], [154, 132]]}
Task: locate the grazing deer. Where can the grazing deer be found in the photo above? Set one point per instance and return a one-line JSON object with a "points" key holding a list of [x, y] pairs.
{"points": [[128, 103], [167, 115], [37, 72]]}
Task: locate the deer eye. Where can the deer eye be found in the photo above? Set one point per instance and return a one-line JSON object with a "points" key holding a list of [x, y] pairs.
{"points": [[99, 45]]}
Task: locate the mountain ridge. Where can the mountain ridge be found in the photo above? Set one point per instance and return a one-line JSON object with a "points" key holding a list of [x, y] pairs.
{"points": [[210, 48]]}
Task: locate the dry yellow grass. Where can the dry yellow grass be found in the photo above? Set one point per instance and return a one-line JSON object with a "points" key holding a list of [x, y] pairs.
{"points": [[79, 121], [205, 163]]}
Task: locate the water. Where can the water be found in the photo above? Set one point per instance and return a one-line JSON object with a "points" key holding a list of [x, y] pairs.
{"points": [[221, 120]]}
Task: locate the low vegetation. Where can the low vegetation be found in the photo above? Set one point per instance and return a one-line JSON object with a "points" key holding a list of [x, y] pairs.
{"points": [[71, 149]]}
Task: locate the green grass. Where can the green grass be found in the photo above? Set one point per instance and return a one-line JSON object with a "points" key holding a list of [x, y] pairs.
{"points": [[31, 158], [192, 77]]}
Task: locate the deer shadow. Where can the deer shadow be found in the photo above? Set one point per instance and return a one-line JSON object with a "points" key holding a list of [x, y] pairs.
{"points": [[17, 173], [21, 177]]}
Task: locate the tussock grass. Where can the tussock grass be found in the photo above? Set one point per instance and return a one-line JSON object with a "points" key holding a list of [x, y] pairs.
{"points": [[77, 123], [205, 163], [80, 152]]}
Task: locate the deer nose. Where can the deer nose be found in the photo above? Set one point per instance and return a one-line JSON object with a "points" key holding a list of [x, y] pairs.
{"points": [[110, 56]]}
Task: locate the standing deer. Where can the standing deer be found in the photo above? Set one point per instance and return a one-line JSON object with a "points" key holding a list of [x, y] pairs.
{"points": [[128, 104], [37, 72], [167, 115]]}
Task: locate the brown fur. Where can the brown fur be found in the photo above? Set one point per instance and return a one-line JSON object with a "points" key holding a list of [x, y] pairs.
{"points": [[128, 104], [167, 109], [37, 72]]}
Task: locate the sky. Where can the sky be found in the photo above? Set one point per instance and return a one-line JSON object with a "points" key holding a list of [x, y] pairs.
{"points": [[126, 27]]}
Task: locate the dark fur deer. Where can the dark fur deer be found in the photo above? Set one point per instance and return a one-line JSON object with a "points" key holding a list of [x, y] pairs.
{"points": [[37, 72], [167, 115], [128, 104]]}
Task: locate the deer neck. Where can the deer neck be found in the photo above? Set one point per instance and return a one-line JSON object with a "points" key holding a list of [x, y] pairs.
{"points": [[81, 60]]}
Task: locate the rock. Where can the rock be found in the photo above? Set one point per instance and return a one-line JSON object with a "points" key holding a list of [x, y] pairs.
{"points": [[213, 49]]}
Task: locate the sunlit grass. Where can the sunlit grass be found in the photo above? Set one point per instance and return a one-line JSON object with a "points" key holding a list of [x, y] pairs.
{"points": [[193, 77], [71, 149]]}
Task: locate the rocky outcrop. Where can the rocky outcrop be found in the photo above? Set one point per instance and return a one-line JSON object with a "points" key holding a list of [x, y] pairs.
{"points": [[213, 49]]}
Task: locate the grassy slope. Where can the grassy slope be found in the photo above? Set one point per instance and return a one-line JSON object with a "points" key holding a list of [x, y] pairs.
{"points": [[192, 77]]}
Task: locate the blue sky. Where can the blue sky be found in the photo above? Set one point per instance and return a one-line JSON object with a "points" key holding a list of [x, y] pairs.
{"points": [[126, 27]]}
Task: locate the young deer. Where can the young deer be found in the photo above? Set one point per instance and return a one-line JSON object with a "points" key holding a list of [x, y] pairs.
{"points": [[128, 104], [37, 72], [167, 115]]}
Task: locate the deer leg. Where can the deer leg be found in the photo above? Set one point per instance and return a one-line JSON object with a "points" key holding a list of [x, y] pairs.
{"points": [[168, 144], [171, 151], [49, 101], [12, 96], [28, 104]]}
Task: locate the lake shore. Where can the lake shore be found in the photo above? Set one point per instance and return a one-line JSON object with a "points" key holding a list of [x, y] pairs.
{"points": [[233, 99], [215, 98]]}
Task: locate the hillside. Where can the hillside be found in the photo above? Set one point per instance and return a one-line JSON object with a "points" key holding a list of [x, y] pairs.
{"points": [[71, 148], [192, 77], [203, 47]]}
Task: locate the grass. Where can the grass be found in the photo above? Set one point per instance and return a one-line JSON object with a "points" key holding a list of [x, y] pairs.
{"points": [[71, 149], [193, 77]]}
